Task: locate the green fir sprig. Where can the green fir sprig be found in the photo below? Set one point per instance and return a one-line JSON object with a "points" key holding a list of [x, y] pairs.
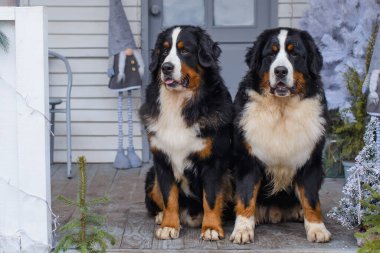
{"points": [[371, 223], [84, 233]]}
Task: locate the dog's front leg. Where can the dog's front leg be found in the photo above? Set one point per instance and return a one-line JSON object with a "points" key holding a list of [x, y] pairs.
{"points": [[170, 225], [248, 178], [308, 184], [213, 201]]}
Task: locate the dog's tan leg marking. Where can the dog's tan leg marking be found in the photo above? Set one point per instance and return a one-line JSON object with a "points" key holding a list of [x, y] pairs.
{"points": [[156, 195], [212, 219], [315, 228], [191, 221], [170, 225], [275, 214], [245, 219]]}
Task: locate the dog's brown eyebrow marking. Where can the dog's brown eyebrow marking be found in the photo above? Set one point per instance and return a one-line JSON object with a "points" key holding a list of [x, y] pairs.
{"points": [[274, 48], [290, 47], [166, 44], [180, 45]]}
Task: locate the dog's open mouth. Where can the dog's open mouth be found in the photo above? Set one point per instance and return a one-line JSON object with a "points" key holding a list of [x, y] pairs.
{"points": [[170, 82], [281, 89]]}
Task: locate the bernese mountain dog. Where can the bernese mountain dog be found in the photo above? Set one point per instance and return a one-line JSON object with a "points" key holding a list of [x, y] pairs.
{"points": [[279, 134], [188, 116]]}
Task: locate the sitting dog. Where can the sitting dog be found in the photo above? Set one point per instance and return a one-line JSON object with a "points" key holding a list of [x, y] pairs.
{"points": [[188, 115], [279, 134]]}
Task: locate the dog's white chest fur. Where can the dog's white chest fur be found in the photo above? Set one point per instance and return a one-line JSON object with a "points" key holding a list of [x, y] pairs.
{"points": [[172, 135], [282, 133]]}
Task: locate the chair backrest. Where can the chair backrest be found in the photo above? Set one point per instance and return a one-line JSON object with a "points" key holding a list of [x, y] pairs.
{"points": [[69, 75]]}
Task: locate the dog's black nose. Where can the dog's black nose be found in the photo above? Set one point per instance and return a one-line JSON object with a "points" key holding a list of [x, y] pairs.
{"points": [[167, 68], [280, 71]]}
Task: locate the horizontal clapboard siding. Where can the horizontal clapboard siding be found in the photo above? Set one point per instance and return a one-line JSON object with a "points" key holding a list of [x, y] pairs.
{"points": [[290, 12], [79, 31]]}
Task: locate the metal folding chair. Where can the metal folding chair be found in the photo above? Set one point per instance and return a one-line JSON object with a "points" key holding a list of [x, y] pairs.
{"points": [[53, 102]]}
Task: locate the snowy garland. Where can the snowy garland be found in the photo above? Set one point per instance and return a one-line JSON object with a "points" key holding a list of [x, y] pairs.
{"points": [[366, 171]]}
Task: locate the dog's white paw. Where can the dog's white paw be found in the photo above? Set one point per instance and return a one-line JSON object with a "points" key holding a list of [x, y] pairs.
{"points": [[243, 230], [317, 232], [158, 218], [166, 233], [211, 235]]}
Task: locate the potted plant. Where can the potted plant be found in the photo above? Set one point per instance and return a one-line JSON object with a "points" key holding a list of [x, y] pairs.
{"points": [[350, 129], [331, 153], [361, 185]]}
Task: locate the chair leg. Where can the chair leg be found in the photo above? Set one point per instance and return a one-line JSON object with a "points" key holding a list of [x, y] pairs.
{"points": [[52, 131], [68, 139]]}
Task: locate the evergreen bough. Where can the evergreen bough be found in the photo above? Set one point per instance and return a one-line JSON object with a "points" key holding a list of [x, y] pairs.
{"points": [[84, 233], [371, 223]]}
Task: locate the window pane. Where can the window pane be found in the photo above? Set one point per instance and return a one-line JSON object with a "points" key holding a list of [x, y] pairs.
{"points": [[8, 2], [234, 13], [181, 12]]}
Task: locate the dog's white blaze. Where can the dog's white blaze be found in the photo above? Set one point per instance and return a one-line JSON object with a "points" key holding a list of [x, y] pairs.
{"points": [[172, 135], [282, 133], [173, 57], [282, 60]]}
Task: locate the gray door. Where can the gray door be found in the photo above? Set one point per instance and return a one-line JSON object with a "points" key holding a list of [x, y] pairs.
{"points": [[233, 23]]}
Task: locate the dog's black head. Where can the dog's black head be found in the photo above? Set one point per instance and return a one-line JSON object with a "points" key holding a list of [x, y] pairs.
{"points": [[181, 55], [284, 59]]}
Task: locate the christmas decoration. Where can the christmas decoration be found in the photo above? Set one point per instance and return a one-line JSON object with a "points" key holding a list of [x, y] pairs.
{"points": [[371, 222], [84, 233], [350, 211], [341, 29], [351, 128], [125, 71]]}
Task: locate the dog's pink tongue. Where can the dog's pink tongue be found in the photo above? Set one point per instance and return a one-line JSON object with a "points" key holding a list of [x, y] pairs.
{"points": [[169, 81]]}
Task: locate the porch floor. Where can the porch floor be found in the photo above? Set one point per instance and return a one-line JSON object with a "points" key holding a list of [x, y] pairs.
{"points": [[133, 229]]}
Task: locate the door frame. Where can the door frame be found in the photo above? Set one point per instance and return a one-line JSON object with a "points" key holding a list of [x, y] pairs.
{"points": [[145, 54]]}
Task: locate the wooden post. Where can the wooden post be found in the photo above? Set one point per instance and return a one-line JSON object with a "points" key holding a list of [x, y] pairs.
{"points": [[24, 137]]}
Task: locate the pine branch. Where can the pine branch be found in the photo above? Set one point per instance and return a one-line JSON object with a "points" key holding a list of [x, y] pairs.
{"points": [[67, 201], [71, 225], [371, 45], [371, 221], [98, 201]]}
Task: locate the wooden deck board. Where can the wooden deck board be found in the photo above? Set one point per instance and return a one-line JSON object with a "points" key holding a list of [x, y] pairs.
{"points": [[129, 222]]}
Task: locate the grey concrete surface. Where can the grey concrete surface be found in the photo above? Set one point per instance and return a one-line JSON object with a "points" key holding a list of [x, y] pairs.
{"points": [[128, 221]]}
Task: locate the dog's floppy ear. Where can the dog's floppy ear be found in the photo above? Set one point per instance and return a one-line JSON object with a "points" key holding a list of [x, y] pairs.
{"points": [[314, 57], [154, 60], [208, 52], [253, 55]]}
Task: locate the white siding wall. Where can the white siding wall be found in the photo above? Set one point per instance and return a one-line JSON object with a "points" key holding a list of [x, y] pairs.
{"points": [[291, 11], [79, 31]]}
